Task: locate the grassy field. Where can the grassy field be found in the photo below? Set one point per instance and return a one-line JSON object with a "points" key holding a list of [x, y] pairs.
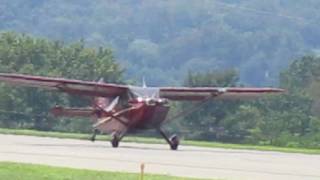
{"points": [[17, 171], [160, 141]]}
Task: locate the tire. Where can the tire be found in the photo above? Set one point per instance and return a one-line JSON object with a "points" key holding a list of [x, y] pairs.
{"points": [[174, 142], [115, 139]]}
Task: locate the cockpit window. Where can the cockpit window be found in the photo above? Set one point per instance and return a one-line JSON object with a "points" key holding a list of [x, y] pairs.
{"points": [[144, 92]]}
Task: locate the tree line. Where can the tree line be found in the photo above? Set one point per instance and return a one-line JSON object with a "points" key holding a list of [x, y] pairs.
{"points": [[164, 39], [24, 54], [291, 119]]}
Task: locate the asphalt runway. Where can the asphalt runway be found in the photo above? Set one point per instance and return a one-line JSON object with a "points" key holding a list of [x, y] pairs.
{"points": [[188, 161]]}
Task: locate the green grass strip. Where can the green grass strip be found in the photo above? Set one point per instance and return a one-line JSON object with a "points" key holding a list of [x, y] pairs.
{"points": [[21, 171], [160, 141]]}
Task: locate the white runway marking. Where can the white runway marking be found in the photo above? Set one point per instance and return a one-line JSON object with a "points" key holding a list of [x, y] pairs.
{"points": [[188, 161]]}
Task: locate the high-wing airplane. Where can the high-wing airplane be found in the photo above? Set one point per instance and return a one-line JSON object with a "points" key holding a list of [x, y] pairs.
{"points": [[119, 109]]}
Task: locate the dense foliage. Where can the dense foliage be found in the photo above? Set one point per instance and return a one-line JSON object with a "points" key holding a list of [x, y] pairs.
{"points": [[291, 119], [170, 42], [163, 40], [25, 54]]}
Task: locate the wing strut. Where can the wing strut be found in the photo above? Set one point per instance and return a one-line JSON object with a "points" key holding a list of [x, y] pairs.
{"points": [[173, 141], [195, 107]]}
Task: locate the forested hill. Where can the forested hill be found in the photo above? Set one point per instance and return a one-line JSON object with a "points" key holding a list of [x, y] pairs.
{"points": [[163, 40]]}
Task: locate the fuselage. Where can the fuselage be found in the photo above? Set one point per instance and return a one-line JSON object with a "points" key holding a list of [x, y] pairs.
{"points": [[141, 108], [150, 113]]}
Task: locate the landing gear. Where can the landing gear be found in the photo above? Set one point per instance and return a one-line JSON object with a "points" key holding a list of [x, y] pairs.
{"points": [[173, 141], [93, 137], [115, 139]]}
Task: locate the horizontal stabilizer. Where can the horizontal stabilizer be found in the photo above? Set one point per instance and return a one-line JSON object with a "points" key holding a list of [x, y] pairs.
{"points": [[72, 112]]}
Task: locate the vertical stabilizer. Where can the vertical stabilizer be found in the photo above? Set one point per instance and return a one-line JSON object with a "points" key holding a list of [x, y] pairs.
{"points": [[144, 85]]}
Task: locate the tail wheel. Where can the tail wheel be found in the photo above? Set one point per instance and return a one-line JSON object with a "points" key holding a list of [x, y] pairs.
{"points": [[115, 139], [174, 142]]}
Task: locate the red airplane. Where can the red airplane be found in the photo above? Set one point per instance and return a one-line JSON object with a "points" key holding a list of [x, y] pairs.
{"points": [[119, 109]]}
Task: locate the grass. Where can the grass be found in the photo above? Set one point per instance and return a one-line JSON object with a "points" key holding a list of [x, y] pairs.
{"points": [[161, 141], [20, 171]]}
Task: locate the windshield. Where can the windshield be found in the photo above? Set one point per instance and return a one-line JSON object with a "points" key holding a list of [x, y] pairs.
{"points": [[144, 92]]}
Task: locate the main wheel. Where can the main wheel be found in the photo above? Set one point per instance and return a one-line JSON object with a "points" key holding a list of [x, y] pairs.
{"points": [[93, 137], [174, 139], [115, 139]]}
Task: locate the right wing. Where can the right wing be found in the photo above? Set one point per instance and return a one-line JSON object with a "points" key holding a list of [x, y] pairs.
{"points": [[85, 88], [202, 93]]}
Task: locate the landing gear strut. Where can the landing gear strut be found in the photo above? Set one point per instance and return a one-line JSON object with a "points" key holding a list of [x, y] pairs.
{"points": [[173, 141], [93, 137]]}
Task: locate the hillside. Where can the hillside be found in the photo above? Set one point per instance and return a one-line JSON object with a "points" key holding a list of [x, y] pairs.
{"points": [[163, 40]]}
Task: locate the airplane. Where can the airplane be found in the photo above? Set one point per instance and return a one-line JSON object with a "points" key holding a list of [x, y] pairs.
{"points": [[119, 109]]}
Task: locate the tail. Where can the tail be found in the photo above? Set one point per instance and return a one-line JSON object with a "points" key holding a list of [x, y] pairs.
{"points": [[101, 102], [105, 104]]}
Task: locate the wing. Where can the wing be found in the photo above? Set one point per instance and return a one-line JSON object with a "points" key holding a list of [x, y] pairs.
{"points": [[201, 93], [70, 86]]}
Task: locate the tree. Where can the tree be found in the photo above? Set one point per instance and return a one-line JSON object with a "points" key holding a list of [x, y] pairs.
{"points": [[207, 123], [24, 54], [291, 117]]}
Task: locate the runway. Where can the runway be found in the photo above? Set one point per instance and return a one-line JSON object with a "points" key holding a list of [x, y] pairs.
{"points": [[188, 161]]}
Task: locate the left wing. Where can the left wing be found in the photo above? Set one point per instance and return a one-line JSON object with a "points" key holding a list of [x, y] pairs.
{"points": [[86, 88], [202, 93]]}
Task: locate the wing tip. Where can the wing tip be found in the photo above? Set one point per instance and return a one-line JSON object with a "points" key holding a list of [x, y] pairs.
{"points": [[279, 90]]}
